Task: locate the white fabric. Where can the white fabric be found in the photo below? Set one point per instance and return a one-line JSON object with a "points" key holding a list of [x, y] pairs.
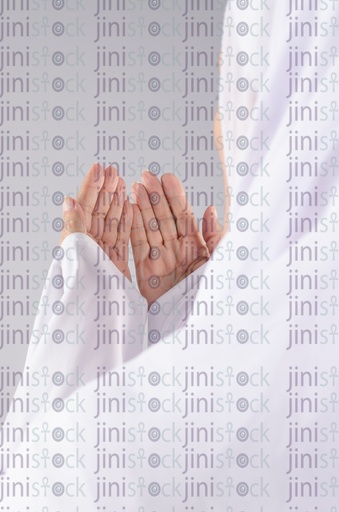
{"points": [[246, 411]]}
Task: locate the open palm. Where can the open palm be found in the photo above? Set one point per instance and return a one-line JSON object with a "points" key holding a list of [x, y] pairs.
{"points": [[102, 212], [166, 242]]}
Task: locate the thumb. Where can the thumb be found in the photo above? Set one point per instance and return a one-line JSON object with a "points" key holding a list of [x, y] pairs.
{"points": [[73, 217], [212, 231]]}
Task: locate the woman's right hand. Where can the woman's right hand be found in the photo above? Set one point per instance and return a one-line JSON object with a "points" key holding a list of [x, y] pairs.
{"points": [[166, 241]]}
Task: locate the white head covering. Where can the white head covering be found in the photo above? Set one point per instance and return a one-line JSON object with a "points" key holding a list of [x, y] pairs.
{"points": [[241, 412], [270, 64], [209, 419]]}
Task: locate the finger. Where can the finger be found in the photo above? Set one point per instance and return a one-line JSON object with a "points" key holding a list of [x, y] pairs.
{"points": [[103, 202], [160, 206], [73, 217], [112, 219], [150, 223], [124, 231], [140, 245], [119, 253], [212, 231], [89, 191], [186, 222]]}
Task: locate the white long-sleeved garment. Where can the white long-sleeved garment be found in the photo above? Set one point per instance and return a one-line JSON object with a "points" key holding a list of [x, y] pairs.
{"points": [[233, 404]]}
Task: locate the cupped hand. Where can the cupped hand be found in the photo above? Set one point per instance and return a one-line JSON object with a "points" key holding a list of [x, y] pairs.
{"points": [[103, 212], [167, 244]]}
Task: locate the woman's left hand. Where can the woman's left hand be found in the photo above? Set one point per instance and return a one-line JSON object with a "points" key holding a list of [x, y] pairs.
{"points": [[103, 212]]}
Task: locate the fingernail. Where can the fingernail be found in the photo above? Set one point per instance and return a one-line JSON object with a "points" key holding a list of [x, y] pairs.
{"points": [[114, 179], [111, 172], [134, 191], [68, 204], [215, 213], [147, 173], [98, 171]]}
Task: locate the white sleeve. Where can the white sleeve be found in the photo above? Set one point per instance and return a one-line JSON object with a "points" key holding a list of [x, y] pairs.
{"points": [[91, 320], [89, 314]]}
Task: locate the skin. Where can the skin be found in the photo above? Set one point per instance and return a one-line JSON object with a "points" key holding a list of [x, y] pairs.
{"points": [[167, 245], [102, 211]]}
